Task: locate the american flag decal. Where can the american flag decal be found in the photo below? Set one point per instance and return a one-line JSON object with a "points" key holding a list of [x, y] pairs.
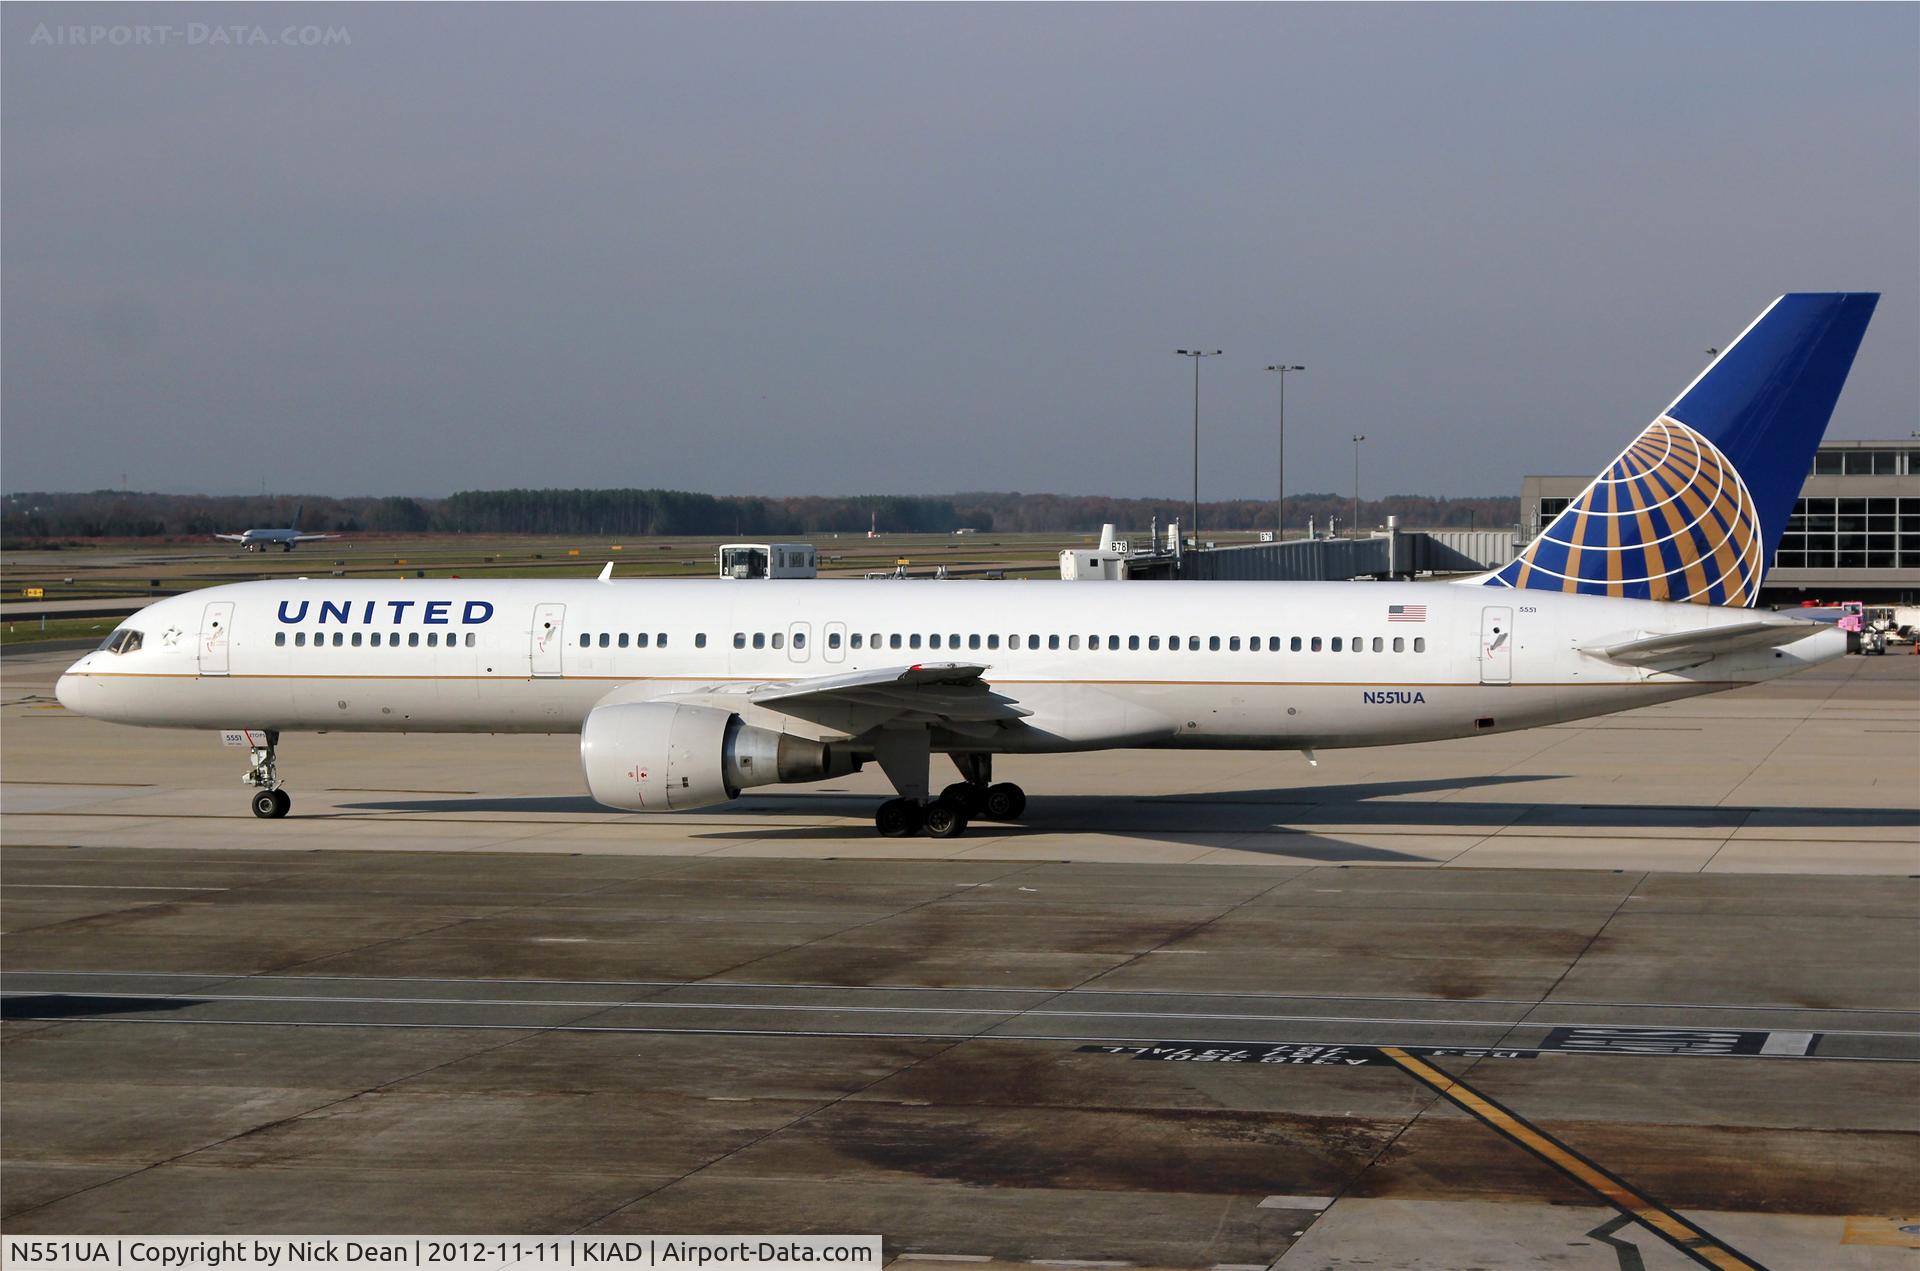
{"points": [[1406, 613]]}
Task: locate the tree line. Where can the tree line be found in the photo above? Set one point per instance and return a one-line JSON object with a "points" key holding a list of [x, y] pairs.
{"points": [[43, 517]]}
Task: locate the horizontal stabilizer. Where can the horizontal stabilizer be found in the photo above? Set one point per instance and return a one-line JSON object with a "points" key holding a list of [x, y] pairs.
{"points": [[1706, 642]]}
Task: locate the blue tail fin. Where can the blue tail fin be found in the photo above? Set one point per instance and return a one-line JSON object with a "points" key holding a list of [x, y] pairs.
{"points": [[1695, 507]]}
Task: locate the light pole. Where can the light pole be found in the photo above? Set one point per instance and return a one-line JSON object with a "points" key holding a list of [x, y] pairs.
{"points": [[1280, 503], [1354, 530], [1196, 355]]}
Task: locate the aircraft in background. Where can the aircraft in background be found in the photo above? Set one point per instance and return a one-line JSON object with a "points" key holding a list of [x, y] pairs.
{"points": [[686, 692], [261, 540]]}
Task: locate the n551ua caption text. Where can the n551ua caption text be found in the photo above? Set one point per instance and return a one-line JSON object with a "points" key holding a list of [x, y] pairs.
{"points": [[676, 1253]]}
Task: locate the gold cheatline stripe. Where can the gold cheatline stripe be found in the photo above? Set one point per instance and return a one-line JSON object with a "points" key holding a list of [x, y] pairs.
{"points": [[1657, 1218]]}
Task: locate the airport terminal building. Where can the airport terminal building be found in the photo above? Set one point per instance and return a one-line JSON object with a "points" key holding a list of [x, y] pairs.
{"points": [[1855, 533]]}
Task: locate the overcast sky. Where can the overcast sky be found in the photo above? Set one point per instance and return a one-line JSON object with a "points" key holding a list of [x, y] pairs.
{"points": [[920, 249]]}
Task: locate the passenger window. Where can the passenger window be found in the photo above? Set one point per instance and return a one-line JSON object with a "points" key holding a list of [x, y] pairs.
{"points": [[1193, 644], [953, 641], [299, 639], [605, 640], [1033, 642], [1233, 644], [1113, 642], [356, 639], [1153, 643], [854, 639], [1053, 642], [1399, 644], [1273, 644], [1334, 644], [470, 640], [1253, 644], [933, 641], [833, 639], [1073, 642], [993, 642], [779, 639], [413, 639], [373, 638], [1379, 645], [1293, 645], [739, 639], [1419, 644], [973, 642], [893, 641], [586, 641], [1316, 644], [1213, 644], [433, 639], [699, 640], [660, 641], [640, 640], [759, 639], [279, 639], [339, 638], [800, 639], [624, 637], [1359, 644], [913, 641]]}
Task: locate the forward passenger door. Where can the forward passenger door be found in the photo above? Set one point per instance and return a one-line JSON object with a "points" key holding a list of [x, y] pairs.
{"points": [[547, 639], [216, 637]]}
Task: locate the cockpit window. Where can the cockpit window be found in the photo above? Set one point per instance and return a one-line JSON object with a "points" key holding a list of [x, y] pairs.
{"points": [[125, 640]]}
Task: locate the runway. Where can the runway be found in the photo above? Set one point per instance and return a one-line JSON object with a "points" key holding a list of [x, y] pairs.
{"points": [[721, 1008]]}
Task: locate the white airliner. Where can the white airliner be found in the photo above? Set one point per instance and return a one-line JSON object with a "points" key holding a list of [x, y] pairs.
{"points": [[261, 540], [685, 693]]}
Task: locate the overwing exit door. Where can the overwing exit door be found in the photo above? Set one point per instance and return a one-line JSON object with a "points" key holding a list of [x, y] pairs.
{"points": [[547, 639], [1496, 645]]}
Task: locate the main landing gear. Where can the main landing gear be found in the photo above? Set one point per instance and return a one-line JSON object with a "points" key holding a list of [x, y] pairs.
{"points": [[903, 755], [269, 800]]}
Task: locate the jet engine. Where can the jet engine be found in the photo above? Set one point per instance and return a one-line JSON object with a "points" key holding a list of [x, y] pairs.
{"points": [[663, 757]]}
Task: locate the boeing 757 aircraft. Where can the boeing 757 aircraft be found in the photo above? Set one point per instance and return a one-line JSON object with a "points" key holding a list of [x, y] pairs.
{"points": [[261, 540], [685, 693]]}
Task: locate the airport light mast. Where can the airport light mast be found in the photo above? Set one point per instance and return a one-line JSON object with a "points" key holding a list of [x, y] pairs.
{"points": [[1354, 529], [1196, 355], [1280, 503]]}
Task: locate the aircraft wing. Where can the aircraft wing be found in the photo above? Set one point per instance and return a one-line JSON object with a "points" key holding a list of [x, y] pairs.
{"points": [[1706, 642], [949, 695], [308, 538], [233, 538], [944, 693]]}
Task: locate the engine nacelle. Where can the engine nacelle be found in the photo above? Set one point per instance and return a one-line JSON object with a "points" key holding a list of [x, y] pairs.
{"points": [[663, 757]]}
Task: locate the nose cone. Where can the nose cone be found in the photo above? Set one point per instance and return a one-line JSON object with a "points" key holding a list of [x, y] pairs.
{"points": [[70, 690]]}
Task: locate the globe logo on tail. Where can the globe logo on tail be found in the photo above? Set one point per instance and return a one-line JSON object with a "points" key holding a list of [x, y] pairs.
{"points": [[1670, 519]]}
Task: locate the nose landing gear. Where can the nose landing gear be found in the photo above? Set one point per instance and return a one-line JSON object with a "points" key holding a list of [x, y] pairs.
{"points": [[263, 773]]}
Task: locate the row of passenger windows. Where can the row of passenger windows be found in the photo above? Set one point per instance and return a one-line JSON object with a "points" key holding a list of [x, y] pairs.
{"points": [[990, 643], [637, 640], [1130, 643], [373, 639]]}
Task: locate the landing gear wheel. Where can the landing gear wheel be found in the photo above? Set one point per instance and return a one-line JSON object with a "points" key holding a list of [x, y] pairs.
{"points": [[945, 819], [265, 804], [898, 818], [282, 801], [966, 796], [1004, 802]]}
